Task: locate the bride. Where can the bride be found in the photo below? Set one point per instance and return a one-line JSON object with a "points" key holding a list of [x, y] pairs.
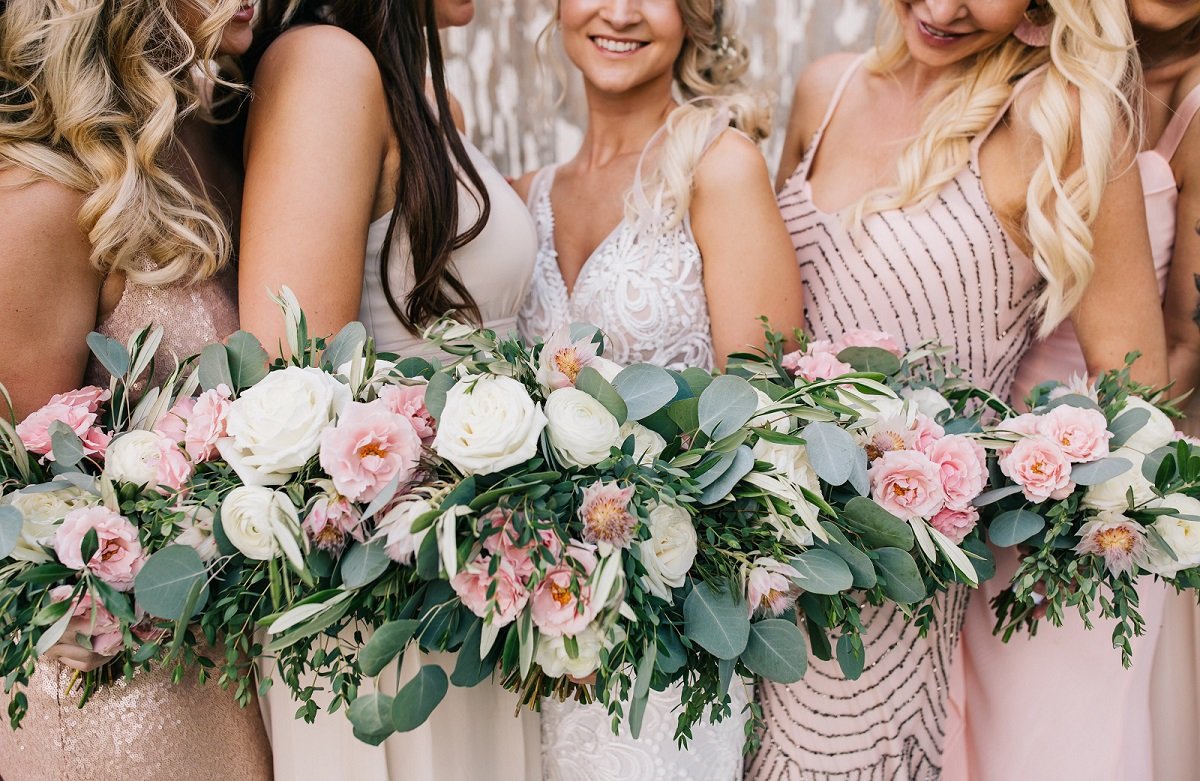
{"points": [[663, 232]]}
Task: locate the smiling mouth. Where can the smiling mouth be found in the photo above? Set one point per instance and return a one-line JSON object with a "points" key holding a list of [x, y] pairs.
{"points": [[941, 35], [617, 46]]}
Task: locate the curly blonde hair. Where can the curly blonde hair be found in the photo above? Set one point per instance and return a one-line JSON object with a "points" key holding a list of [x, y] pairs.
{"points": [[91, 93], [1089, 96]]}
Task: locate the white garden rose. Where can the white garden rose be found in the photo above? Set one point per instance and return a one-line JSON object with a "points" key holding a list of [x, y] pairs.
{"points": [[554, 660], [488, 423], [647, 443], [1182, 536], [133, 458], [927, 401], [395, 528], [43, 513], [275, 427], [263, 524], [582, 431], [670, 551], [1111, 494], [1158, 431]]}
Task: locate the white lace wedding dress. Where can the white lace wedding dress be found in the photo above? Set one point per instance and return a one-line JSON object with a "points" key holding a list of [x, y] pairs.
{"points": [[648, 298]]}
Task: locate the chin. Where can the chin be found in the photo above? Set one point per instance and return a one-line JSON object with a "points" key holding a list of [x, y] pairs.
{"points": [[459, 14], [235, 41]]}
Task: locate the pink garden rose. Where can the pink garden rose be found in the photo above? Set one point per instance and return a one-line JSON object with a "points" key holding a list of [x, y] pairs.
{"points": [[769, 587], [118, 558], [174, 468], [557, 611], [865, 338], [409, 401], [907, 484], [472, 585], [1082, 433], [207, 423], [605, 515], [78, 410], [963, 466], [955, 524], [816, 365], [330, 521], [1024, 424], [173, 425], [92, 620], [924, 432], [368, 448], [1040, 467]]}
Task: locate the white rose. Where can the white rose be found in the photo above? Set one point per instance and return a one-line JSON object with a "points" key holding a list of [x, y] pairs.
{"points": [[1158, 431], [401, 545], [43, 513], [275, 427], [197, 531], [608, 369], [647, 443], [554, 660], [1111, 494], [263, 524], [670, 551], [488, 424], [928, 401], [133, 458], [582, 431], [872, 408], [383, 371], [778, 420], [1182, 536]]}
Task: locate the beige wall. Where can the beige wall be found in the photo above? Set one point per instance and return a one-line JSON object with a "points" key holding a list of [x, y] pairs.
{"points": [[508, 103]]}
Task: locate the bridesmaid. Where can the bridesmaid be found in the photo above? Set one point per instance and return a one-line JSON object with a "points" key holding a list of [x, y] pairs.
{"points": [[106, 228], [663, 232], [363, 196], [1068, 681], [996, 206]]}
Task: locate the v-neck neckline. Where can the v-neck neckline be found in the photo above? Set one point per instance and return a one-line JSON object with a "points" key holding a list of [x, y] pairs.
{"points": [[569, 290]]}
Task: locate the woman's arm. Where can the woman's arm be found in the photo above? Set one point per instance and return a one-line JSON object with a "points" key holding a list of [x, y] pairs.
{"points": [[1182, 303], [750, 267], [316, 142], [814, 91]]}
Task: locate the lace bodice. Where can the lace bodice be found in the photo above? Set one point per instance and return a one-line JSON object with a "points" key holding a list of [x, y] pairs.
{"points": [[647, 295]]}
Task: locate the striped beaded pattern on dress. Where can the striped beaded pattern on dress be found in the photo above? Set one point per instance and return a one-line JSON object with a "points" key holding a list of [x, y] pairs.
{"points": [[948, 273]]}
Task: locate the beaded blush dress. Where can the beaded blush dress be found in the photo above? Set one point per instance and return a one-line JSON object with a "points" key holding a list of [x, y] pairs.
{"points": [[145, 728], [950, 273]]}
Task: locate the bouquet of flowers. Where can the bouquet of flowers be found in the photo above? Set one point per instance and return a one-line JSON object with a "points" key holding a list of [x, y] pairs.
{"points": [[1101, 490]]}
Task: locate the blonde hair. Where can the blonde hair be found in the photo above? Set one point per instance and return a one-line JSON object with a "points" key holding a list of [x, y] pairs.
{"points": [[91, 93], [1092, 65]]}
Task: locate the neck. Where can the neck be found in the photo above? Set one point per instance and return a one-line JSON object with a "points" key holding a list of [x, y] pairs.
{"points": [[1162, 48], [621, 124], [919, 79]]}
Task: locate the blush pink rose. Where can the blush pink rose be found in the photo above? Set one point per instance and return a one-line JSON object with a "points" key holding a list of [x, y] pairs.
{"points": [[1040, 467], [368, 448], [409, 401], [865, 338], [907, 484], [561, 602], [78, 410], [119, 557], [963, 466], [207, 423], [955, 524], [330, 521], [1082, 433], [473, 583], [924, 432], [173, 425], [814, 366], [92, 620], [1024, 424], [174, 467]]}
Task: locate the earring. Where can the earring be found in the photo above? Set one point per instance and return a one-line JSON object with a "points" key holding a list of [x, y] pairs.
{"points": [[1034, 30]]}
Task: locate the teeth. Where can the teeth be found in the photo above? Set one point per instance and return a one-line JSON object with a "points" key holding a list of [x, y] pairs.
{"points": [[609, 45], [937, 33]]}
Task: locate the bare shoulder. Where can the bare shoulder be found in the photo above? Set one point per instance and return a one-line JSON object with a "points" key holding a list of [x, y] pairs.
{"points": [[35, 208], [731, 162], [321, 56], [819, 80]]}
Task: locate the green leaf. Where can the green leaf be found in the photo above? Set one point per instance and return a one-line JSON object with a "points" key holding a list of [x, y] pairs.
{"points": [[414, 367], [870, 359], [371, 715], [247, 359], [981, 557], [725, 670], [1073, 400], [418, 698], [1126, 425], [112, 354], [593, 384], [685, 414], [429, 560], [901, 579], [776, 651], [322, 620], [741, 465], [11, 523], [469, 669], [1154, 461], [65, 445], [822, 572], [52, 612], [859, 562], [45, 574], [88, 546], [831, 451], [995, 495], [386, 644], [641, 688], [672, 656], [164, 581], [214, 367], [1096, 472], [345, 347], [716, 620], [726, 405], [697, 379], [435, 393], [877, 527], [363, 563], [645, 388], [1014, 527], [851, 656], [382, 498], [57, 628], [114, 601]]}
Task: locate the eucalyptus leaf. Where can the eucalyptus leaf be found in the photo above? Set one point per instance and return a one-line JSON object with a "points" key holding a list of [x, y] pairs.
{"points": [[1014, 527], [860, 564], [831, 451], [65, 445], [776, 651], [870, 359], [11, 523], [859, 479], [645, 388], [685, 414], [1096, 472], [851, 656], [877, 527], [725, 670], [165, 580], [247, 359], [345, 346], [593, 384], [371, 714], [386, 644], [417, 699], [55, 631], [1126, 425], [112, 354], [726, 405], [995, 495], [739, 467], [901, 579], [822, 572], [1154, 460], [435, 393], [717, 621], [472, 667], [363, 563], [214, 367], [1073, 400], [697, 379]]}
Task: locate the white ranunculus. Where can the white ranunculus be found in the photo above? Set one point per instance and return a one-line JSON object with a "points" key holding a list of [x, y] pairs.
{"points": [[43, 513], [197, 526], [395, 528], [133, 458], [554, 660], [670, 551], [1111, 494], [488, 424], [275, 427], [791, 463], [263, 524], [582, 431], [647, 443], [778, 420], [927, 400], [1183, 537], [1158, 431]]}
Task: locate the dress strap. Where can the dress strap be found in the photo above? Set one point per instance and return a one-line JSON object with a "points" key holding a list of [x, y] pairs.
{"points": [[1017, 89], [843, 82], [1168, 144], [542, 182]]}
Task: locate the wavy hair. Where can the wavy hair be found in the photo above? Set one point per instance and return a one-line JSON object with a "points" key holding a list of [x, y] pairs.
{"points": [[91, 93], [1089, 96]]}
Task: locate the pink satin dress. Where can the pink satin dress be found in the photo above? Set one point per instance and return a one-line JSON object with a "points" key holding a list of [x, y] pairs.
{"points": [[1060, 705]]}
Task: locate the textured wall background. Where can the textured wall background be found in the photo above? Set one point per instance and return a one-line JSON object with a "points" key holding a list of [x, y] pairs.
{"points": [[509, 101]]}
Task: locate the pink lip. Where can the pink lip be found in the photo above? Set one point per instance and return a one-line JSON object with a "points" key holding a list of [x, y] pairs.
{"points": [[929, 36], [244, 15], [629, 53]]}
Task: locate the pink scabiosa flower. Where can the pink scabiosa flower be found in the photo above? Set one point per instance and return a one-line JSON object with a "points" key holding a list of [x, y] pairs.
{"points": [[1040, 467], [1082, 433], [368, 448], [78, 410], [561, 360], [92, 620], [475, 580], [1120, 541], [605, 515], [331, 520], [119, 557], [963, 466], [561, 602], [769, 587], [907, 484], [955, 524], [865, 338], [409, 401]]}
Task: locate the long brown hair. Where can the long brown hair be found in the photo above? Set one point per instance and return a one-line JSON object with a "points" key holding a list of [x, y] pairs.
{"points": [[402, 35]]}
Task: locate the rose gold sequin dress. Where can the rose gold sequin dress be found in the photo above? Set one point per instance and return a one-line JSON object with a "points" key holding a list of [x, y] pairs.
{"points": [[145, 728]]}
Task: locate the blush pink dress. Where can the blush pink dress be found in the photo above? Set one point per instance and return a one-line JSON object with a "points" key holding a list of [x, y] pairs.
{"points": [[950, 273], [1060, 705]]}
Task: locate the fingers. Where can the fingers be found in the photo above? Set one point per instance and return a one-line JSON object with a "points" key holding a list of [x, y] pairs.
{"points": [[1039, 600], [76, 657]]}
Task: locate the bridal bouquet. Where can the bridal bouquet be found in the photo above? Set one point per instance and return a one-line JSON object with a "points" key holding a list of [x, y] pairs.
{"points": [[1101, 490]]}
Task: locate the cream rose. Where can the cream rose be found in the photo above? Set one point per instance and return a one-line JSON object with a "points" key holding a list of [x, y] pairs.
{"points": [[263, 524], [1111, 494], [927, 401], [554, 660], [670, 551], [1182, 536], [133, 458], [43, 513], [791, 462], [488, 424], [275, 427], [1158, 431], [647, 443], [582, 431]]}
